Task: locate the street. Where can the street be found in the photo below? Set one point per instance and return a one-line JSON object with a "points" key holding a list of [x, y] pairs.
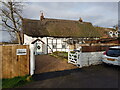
{"points": [[99, 76]]}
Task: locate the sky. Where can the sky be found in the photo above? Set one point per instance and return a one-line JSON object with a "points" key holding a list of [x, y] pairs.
{"points": [[104, 14]]}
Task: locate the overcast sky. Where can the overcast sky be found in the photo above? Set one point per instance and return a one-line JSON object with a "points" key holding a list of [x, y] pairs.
{"points": [[104, 14]]}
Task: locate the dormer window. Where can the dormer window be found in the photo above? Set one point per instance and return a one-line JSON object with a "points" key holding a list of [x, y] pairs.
{"points": [[111, 33], [116, 33]]}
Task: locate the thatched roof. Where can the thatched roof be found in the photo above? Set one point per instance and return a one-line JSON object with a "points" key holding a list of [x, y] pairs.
{"points": [[59, 28], [104, 32]]}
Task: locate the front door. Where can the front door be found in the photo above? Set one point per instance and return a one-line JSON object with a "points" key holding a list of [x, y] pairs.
{"points": [[38, 48]]}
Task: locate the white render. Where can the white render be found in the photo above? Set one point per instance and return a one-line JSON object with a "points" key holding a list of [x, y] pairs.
{"points": [[111, 33], [50, 45], [91, 58]]}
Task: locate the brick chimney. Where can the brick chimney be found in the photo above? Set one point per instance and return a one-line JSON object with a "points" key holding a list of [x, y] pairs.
{"points": [[80, 20], [41, 17]]}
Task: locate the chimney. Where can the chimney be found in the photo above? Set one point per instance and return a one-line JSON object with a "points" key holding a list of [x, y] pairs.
{"points": [[80, 20], [116, 28], [41, 17]]}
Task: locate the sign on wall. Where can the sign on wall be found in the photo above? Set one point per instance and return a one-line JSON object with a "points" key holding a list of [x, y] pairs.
{"points": [[21, 51]]}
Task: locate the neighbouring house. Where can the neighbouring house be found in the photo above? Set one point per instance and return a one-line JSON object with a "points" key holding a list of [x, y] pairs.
{"points": [[49, 35], [108, 32]]}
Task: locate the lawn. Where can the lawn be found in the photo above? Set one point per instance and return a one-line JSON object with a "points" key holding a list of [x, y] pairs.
{"points": [[61, 54], [16, 81]]}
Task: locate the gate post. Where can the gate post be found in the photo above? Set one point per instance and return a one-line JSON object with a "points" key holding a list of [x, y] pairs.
{"points": [[32, 59], [79, 59]]}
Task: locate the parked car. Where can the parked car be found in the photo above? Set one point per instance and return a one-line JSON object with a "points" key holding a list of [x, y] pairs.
{"points": [[112, 56]]}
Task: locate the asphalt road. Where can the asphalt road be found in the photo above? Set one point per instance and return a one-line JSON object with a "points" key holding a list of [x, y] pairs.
{"points": [[99, 76]]}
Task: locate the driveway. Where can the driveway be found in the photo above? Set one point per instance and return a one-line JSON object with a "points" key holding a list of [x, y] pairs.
{"points": [[47, 63], [99, 76]]}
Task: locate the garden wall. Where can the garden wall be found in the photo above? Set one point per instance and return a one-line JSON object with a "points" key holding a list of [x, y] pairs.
{"points": [[92, 55], [89, 55], [90, 58]]}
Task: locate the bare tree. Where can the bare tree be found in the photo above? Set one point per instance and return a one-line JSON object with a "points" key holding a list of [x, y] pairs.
{"points": [[11, 18]]}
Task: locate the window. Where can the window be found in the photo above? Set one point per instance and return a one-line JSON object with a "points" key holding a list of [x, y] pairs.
{"points": [[63, 46], [113, 52], [54, 46]]}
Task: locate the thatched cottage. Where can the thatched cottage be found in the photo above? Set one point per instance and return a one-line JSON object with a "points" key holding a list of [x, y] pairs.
{"points": [[51, 35]]}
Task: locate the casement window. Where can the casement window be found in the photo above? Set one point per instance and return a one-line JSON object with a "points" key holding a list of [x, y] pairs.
{"points": [[54, 46], [63, 46]]}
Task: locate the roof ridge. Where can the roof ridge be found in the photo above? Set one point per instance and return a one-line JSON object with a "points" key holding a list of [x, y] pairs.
{"points": [[60, 19], [50, 19], [64, 20]]}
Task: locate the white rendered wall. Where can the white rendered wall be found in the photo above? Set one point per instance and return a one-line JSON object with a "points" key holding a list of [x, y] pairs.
{"points": [[51, 42], [28, 40], [91, 58], [85, 59]]}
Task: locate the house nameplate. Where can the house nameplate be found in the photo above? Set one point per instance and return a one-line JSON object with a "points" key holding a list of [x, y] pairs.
{"points": [[21, 52]]}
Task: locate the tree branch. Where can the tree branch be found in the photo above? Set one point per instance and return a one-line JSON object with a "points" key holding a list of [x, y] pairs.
{"points": [[11, 18], [6, 14], [8, 25]]}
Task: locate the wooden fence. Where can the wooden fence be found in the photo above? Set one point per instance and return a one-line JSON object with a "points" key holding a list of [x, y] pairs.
{"points": [[14, 64], [95, 48]]}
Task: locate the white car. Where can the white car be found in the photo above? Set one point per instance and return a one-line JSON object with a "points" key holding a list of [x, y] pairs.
{"points": [[112, 56]]}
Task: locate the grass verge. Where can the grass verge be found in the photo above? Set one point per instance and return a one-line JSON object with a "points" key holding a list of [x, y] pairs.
{"points": [[58, 54], [16, 81]]}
